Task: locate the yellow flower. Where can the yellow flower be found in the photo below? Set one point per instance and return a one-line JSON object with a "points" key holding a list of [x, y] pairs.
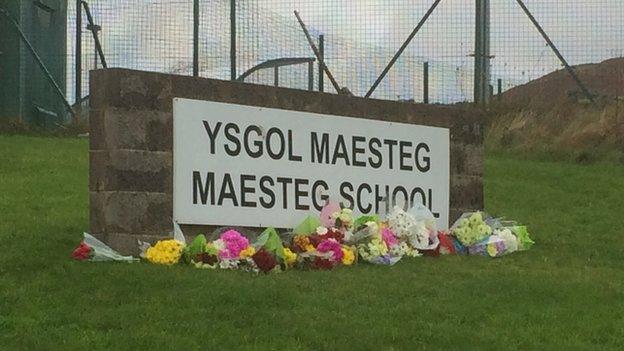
{"points": [[348, 257], [289, 257], [248, 252], [491, 250], [164, 252]]}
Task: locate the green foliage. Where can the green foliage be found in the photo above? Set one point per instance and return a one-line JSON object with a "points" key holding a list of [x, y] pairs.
{"points": [[197, 247], [564, 293]]}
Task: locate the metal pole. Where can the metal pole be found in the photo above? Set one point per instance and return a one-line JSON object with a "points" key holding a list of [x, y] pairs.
{"points": [[94, 28], [480, 54], [317, 53], [195, 38], [485, 65], [276, 76], [402, 48], [426, 82], [46, 73], [500, 89], [311, 75], [233, 39], [78, 54], [322, 55], [556, 51]]}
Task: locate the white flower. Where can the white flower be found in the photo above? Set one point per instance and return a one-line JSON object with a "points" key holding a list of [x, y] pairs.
{"points": [[345, 218], [228, 264], [219, 244], [321, 230]]}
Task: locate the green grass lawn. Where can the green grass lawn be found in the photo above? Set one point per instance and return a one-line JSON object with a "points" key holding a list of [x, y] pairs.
{"points": [[566, 293]]}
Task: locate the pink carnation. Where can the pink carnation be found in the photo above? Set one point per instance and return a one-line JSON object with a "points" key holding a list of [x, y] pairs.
{"points": [[331, 245], [234, 242], [389, 238]]}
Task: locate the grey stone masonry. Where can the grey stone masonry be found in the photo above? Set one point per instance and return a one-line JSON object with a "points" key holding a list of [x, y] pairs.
{"points": [[131, 141]]}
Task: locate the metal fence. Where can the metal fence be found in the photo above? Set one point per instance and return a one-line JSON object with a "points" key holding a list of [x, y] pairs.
{"points": [[359, 39]]}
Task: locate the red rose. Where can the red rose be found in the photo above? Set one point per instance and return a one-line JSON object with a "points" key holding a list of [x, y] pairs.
{"points": [[82, 252], [264, 260], [322, 263]]}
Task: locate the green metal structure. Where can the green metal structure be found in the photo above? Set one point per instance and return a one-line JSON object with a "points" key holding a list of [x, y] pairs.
{"points": [[25, 91]]}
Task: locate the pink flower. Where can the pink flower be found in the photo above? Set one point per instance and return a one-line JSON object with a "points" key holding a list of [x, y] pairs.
{"points": [[331, 245], [234, 242], [389, 238]]}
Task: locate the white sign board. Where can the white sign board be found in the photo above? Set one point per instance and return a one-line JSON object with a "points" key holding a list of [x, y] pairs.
{"points": [[237, 165]]}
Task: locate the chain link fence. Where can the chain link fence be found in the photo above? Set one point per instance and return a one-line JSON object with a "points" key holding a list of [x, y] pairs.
{"points": [[360, 38]]}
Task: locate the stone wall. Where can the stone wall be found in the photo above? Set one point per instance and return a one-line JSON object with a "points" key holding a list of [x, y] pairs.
{"points": [[131, 142]]}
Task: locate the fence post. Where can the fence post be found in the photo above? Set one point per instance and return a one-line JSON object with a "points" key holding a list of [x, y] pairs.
{"points": [[482, 52], [500, 89], [78, 53], [426, 82], [195, 38], [322, 55], [276, 76], [233, 39], [311, 75]]}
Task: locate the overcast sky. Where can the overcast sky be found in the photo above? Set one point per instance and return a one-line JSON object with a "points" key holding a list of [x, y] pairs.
{"points": [[361, 36]]}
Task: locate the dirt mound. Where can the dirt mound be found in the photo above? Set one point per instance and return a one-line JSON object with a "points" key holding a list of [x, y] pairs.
{"points": [[549, 115], [604, 80]]}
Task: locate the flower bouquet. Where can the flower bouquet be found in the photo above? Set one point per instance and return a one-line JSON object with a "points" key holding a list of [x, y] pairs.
{"points": [[91, 249], [324, 247], [470, 228]]}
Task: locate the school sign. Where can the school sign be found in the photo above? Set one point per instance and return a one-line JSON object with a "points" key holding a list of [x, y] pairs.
{"points": [[254, 166], [209, 153]]}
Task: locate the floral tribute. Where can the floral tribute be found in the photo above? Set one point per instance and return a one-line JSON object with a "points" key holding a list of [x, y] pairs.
{"points": [[333, 239]]}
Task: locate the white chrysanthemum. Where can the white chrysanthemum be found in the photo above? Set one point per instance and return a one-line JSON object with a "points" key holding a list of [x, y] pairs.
{"points": [[321, 230]]}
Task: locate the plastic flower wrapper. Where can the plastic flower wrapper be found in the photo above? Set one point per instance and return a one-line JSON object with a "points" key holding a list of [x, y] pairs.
{"points": [[196, 248], [366, 233], [524, 240], [92, 249], [510, 240], [270, 242], [387, 260], [492, 246], [420, 232], [307, 226], [470, 228], [447, 246]]}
